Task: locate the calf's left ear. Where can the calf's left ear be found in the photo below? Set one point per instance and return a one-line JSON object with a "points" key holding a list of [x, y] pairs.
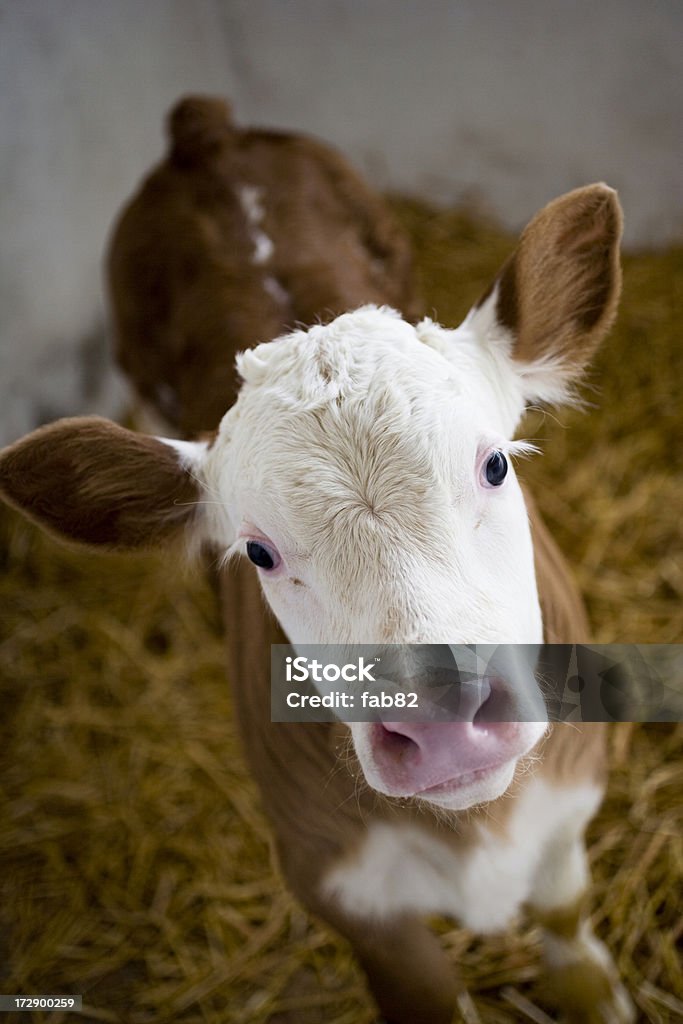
{"points": [[556, 297], [89, 480]]}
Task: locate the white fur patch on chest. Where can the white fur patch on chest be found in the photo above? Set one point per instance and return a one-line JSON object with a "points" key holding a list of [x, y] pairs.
{"points": [[405, 868]]}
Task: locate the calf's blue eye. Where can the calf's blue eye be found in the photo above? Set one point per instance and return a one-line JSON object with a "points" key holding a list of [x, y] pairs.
{"points": [[260, 555], [496, 469]]}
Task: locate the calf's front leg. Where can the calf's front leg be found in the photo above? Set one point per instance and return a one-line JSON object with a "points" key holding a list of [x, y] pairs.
{"points": [[581, 977], [408, 972]]}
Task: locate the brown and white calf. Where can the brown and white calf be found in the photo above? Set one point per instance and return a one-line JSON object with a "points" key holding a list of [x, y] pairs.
{"points": [[237, 234], [365, 470]]}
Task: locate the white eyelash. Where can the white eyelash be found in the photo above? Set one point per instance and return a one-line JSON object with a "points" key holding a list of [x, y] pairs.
{"points": [[236, 548], [520, 449]]}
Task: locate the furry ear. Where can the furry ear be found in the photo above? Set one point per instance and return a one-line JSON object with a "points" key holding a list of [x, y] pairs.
{"points": [[557, 295], [92, 481]]}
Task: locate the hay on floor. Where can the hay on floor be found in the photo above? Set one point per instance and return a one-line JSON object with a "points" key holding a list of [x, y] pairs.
{"points": [[136, 868]]}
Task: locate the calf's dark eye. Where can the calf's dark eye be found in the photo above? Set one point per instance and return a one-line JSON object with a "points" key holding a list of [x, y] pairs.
{"points": [[496, 469], [260, 555]]}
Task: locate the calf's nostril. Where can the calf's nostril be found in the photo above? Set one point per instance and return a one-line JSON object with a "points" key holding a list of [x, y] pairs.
{"points": [[395, 742], [482, 715], [497, 707]]}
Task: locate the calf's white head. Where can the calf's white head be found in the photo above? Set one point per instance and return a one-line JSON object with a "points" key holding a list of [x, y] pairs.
{"points": [[366, 470]]}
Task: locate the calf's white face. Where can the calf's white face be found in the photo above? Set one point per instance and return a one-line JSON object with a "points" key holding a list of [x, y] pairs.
{"points": [[355, 469], [366, 470]]}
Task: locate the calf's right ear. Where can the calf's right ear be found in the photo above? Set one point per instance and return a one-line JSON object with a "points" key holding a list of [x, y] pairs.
{"points": [[89, 480]]}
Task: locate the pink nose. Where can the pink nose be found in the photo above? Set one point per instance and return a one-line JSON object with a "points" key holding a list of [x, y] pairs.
{"points": [[412, 756]]}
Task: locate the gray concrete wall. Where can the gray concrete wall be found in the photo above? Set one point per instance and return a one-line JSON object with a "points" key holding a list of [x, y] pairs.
{"points": [[500, 104], [506, 103]]}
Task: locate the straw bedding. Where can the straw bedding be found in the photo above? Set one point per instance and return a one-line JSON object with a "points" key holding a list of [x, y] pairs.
{"points": [[136, 868]]}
